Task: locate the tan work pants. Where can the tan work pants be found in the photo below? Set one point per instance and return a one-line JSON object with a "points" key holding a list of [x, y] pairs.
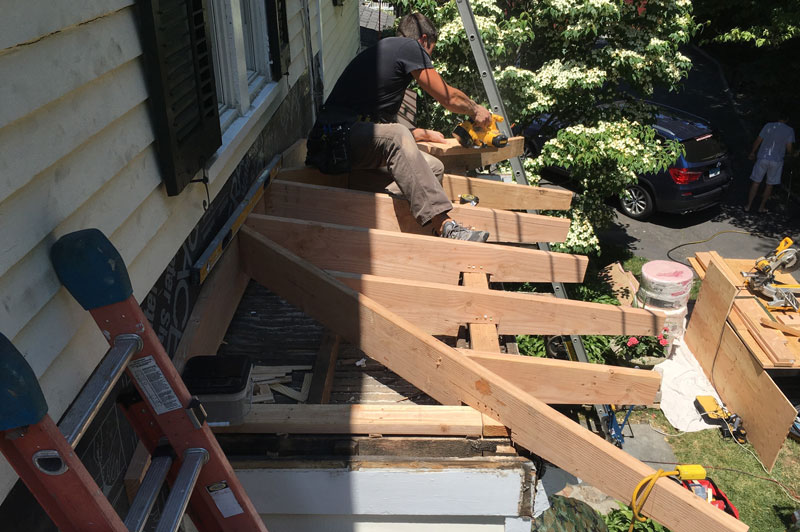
{"points": [[417, 175]]}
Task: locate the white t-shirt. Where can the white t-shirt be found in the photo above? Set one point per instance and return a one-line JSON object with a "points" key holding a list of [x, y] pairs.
{"points": [[775, 136]]}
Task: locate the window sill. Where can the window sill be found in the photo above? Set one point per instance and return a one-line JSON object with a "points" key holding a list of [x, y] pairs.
{"points": [[242, 132]]}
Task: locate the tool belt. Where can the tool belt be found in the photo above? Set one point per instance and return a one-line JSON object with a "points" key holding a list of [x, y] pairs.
{"points": [[328, 145]]}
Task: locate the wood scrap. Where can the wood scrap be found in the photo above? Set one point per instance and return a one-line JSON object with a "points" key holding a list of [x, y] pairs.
{"points": [[766, 322], [262, 394]]}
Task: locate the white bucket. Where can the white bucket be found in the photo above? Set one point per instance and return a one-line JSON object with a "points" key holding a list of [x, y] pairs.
{"points": [[674, 319], [665, 284]]}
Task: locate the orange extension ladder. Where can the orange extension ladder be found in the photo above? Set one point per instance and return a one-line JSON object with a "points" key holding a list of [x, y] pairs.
{"points": [[169, 422]]}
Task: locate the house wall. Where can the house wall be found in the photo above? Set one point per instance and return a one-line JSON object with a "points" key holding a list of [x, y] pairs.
{"points": [[77, 150]]}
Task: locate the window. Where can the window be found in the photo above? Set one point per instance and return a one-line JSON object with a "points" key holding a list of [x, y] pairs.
{"points": [[241, 54], [206, 61]]}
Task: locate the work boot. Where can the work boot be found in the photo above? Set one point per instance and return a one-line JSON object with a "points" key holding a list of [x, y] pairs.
{"points": [[456, 231]]}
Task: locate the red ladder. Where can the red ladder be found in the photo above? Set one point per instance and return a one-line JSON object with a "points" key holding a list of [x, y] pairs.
{"points": [[169, 421]]}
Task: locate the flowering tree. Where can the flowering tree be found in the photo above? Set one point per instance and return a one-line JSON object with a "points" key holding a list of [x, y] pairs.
{"points": [[570, 63]]}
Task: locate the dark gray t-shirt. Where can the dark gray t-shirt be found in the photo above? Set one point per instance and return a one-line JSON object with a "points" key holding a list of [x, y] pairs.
{"points": [[375, 81]]}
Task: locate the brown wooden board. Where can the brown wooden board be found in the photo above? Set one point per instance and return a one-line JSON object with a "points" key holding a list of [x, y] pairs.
{"points": [[748, 390], [704, 331], [440, 370], [482, 333], [411, 420], [448, 307], [381, 211], [214, 309], [739, 378], [324, 369], [769, 347], [568, 382], [416, 257], [500, 195], [456, 158]]}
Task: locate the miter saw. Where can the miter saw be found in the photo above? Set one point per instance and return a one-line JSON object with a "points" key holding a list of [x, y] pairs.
{"points": [[469, 135], [762, 278]]}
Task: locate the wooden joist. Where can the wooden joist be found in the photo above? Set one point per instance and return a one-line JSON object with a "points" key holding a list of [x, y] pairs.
{"points": [[442, 372], [567, 382], [483, 333], [381, 211], [415, 257], [441, 309], [387, 420], [739, 379], [492, 194], [499, 195], [456, 158]]}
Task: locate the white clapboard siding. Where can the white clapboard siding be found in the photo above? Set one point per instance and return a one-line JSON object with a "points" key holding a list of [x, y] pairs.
{"points": [[38, 74], [342, 37], [53, 195], [76, 151], [31, 283], [41, 138], [24, 21]]}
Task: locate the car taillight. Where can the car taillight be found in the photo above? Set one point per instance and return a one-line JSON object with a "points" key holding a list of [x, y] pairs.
{"points": [[682, 176]]}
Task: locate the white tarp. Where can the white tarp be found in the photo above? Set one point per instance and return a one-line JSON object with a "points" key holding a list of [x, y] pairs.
{"points": [[682, 379]]}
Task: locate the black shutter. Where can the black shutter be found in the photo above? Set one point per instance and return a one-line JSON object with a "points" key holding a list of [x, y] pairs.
{"points": [[278, 29], [183, 98]]}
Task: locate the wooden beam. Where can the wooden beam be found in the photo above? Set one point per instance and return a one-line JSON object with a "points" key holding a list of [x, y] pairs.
{"points": [[459, 159], [793, 331], [440, 370], [381, 211], [567, 382], [212, 313], [324, 368], [440, 309], [388, 420], [500, 195], [483, 334], [739, 379], [400, 255]]}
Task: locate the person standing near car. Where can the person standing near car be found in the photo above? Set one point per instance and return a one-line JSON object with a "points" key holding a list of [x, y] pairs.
{"points": [[773, 144]]}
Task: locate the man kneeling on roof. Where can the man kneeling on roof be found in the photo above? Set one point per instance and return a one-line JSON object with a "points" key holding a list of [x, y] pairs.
{"points": [[357, 127]]}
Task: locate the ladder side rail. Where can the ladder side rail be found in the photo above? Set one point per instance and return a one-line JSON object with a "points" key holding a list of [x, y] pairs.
{"points": [[182, 488], [97, 389], [496, 103]]}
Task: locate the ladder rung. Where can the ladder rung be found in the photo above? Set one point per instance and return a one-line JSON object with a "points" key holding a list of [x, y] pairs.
{"points": [[148, 493], [193, 461], [97, 388]]}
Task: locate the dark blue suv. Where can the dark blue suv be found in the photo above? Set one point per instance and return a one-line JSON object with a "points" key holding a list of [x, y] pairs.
{"points": [[696, 180]]}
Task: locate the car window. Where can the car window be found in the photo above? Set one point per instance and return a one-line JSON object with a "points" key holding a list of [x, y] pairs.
{"points": [[703, 148]]}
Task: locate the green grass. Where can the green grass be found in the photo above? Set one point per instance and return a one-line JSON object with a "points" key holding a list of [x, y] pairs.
{"points": [[761, 503]]}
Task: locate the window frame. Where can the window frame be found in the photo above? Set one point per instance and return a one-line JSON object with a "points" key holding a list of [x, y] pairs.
{"points": [[234, 42]]}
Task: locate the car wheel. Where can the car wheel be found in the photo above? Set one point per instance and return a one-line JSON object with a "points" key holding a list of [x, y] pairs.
{"points": [[637, 202]]}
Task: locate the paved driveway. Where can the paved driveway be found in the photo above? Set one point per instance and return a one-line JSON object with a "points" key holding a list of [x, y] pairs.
{"points": [[705, 94]]}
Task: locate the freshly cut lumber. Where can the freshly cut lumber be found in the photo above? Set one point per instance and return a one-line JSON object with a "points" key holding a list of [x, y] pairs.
{"points": [[400, 255], [137, 468], [381, 211], [739, 379], [717, 293], [212, 313], [483, 333], [456, 158], [492, 194], [446, 307], [768, 346], [411, 420], [500, 195], [440, 370], [567, 382], [324, 368]]}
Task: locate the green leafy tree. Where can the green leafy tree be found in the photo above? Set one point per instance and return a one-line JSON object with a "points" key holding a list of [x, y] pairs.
{"points": [[570, 63], [761, 23]]}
